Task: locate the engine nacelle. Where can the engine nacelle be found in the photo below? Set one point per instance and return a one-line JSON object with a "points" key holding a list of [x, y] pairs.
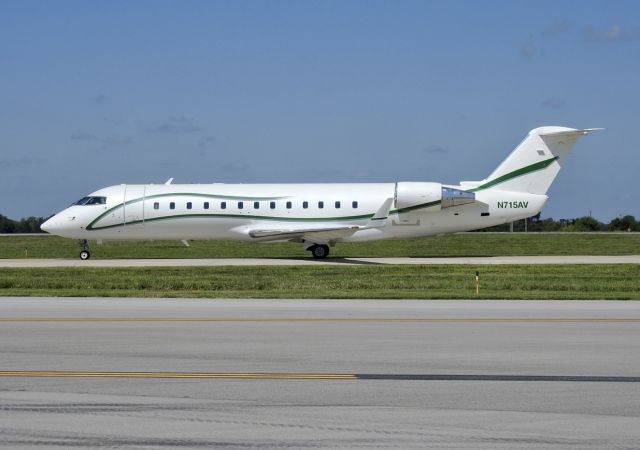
{"points": [[411, 194]]}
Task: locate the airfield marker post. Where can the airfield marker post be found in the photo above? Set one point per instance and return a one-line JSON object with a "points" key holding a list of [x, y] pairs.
{"points": [[477, 282]]}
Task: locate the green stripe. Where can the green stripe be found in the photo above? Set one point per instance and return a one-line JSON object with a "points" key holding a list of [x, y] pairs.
{"points": [[92, 227], [414, 207], [516, 173], [235, 216]]}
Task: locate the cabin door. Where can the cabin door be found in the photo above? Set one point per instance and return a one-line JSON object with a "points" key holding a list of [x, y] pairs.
{"points": [[134, 205]]}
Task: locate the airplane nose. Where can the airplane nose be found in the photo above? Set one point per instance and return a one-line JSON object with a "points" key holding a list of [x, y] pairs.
{"points": [[46, 226], [54, 225], [62, 224]]}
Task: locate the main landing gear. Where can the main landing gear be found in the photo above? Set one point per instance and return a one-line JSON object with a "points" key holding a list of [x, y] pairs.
{"points": [[84, 253], [319, 251]]}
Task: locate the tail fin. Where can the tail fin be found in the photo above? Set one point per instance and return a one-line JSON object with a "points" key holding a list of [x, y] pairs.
{"points": [[534, 164]]}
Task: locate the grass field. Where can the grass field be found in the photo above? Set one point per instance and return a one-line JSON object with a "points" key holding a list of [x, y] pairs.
{"points": [[366, 281], [466, 244], [620, 281]]}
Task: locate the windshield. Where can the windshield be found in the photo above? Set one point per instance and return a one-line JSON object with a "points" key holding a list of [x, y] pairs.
{"points": [[91, 201]]}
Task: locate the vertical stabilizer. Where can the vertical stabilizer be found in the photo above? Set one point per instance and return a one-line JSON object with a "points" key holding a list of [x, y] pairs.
{"points": [[534, 164]]}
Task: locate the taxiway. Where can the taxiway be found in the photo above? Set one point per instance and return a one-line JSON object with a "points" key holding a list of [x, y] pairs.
{"points": [[178, 373], [198, 262]]}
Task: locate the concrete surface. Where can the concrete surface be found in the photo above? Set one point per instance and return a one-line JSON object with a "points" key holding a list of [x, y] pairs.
{"points": [[508, 339], [568, 259]]}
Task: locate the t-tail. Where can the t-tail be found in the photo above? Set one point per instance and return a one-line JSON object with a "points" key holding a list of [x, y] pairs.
{"points": [[534, 164]]}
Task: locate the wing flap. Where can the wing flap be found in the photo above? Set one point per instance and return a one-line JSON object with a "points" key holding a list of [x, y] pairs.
{"points": [[317, 235]]}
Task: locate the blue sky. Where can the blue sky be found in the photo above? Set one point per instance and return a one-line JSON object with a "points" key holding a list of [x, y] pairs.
{"points": [[96, 93]]}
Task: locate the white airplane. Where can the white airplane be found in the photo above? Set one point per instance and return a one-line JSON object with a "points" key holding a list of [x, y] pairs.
{"points": [[321, 215]]}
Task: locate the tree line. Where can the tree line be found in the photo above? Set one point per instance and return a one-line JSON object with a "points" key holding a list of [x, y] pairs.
{"points": [[25, 225], [586, 223], [535, 223]]}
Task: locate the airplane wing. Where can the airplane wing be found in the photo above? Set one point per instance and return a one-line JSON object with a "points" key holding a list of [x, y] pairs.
{"points": [[316, 235], [322, 235]]}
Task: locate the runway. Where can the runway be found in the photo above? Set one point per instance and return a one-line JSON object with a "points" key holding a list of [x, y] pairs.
{"points": [[182, 373], [480, 260]]}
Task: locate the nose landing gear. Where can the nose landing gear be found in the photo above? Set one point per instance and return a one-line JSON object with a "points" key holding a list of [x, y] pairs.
{"points": [[84, 253]]}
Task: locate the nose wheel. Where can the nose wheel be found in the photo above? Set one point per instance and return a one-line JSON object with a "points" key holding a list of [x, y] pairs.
{"points": [[84, 253]]}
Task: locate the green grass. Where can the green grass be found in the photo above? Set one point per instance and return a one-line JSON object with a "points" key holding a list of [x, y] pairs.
{"points": [[466, 244], [619, 281]]}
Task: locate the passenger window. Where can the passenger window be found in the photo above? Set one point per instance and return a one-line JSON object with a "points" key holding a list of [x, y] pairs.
{"points": [[305, 205], [256, 205], [354, 205], [223, 205], [206, 205], [338, 205], [288, 205], [156, 205], [189, 205], [272, 205], [172, 205], [240, 205], [320, 205]]}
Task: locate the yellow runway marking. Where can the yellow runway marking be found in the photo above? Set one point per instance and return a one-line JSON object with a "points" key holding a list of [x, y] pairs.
{"points": [[247, 376], [329, 319]]}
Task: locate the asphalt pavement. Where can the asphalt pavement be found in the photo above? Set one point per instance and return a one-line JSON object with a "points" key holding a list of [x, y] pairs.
{"points": [[199, 262], [185, 373]]}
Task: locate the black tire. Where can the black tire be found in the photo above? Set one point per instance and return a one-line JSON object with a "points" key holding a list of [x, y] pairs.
{"points": [[320, 251], [84, 255]]}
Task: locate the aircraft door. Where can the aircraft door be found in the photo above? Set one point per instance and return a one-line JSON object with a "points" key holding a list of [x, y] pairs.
{"points": [[134, 205]]}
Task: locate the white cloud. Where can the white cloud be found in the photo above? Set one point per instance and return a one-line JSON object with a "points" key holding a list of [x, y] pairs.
{"points": [[613, 33]]}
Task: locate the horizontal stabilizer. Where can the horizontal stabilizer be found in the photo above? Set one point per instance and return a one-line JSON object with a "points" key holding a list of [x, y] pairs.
{"points": [[582, 132]]}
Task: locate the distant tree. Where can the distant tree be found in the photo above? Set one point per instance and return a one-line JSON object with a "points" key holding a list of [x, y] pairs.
{"points": [[626, 223], [586, 223], [6, 225], [32, 224], [549, 225], [25, 225]]}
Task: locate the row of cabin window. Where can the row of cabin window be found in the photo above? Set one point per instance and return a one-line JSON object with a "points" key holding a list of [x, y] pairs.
{"points": [[256, 205]]}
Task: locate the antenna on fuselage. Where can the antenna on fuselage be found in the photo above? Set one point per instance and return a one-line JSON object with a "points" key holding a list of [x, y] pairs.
{"points": [[169, 181]]}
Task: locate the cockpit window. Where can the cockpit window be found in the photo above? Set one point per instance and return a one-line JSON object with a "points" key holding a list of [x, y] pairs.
{"points": [[92, 201]]}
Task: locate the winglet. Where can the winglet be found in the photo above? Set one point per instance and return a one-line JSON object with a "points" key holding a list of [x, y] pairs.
{"points": [[169, 181], [379, 219]]}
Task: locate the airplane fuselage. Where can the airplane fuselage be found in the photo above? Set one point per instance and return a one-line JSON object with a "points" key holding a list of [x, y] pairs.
{"points": [[232, 211], [320, 215]]}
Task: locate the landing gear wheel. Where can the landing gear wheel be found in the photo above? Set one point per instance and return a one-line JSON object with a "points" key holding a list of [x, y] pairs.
{"points": [[320, 251], [84, 245]]}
